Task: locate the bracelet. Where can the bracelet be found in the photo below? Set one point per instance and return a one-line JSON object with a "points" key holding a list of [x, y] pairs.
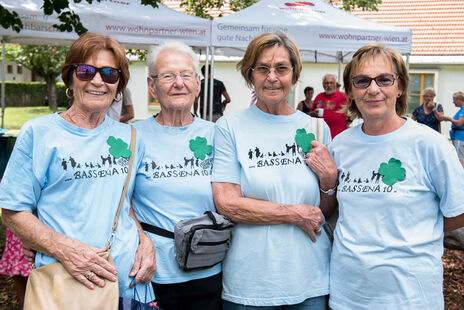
{"points": [[330, 191]]}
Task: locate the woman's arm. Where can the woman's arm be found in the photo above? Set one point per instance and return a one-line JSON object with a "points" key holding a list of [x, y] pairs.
{"points": [[322, 164], [145, 258], [80, 260], [452, 223], [300, 106], [456, 122], [229, 202], [439, 115]]}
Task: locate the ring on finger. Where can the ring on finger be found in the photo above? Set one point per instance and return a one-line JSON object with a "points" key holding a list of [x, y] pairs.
{"points": [[88, 274], [319, 230]]}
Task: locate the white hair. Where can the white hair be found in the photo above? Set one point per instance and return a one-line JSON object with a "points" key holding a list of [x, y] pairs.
{"points": [[327, 75], [179, 46]]}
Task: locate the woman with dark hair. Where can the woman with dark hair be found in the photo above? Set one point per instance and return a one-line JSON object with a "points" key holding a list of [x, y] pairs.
{"points": [[306, 104], [400, 186], [279, 256], [63, 182]]}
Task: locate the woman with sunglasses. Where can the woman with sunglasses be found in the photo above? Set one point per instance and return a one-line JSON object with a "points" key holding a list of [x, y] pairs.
{"points": [[400, 186], [65, 177], [279, 258]]}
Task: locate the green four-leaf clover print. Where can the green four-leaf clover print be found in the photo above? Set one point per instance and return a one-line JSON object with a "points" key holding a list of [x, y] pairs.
{"points": [[392, 172], [200, 147], [118, 148], [304, 139]]}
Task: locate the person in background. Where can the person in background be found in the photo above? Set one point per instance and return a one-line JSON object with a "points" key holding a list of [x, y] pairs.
{"points": [[64, 179], [122, 109], [429, 112], [173, 180], [14, 264], [331, 101], [400, 187], [219, 90], [279, 257], [457, 127], [306, 104]]}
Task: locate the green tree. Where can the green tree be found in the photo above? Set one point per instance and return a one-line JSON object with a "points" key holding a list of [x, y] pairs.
{"points": [[70, 21], [44, 60]]}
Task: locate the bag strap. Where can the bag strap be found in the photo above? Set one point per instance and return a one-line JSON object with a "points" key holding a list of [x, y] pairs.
{"points": [[157, 230], [169, 234], [126, 185], [317, 126]]}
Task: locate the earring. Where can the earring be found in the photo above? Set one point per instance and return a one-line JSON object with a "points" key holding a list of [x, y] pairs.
{"points": [[118, 97], [69, 93]]}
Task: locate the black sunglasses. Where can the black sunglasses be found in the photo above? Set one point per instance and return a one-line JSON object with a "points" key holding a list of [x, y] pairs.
{"points": [[382, 80], [87, 72]]}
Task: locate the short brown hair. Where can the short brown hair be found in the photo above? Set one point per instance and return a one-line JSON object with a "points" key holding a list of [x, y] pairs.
{"points": [[458, 95], [260, 43], [370, 51], [88, 45]]}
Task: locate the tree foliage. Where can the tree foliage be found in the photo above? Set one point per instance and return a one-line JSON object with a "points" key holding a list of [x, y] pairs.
{"points": [[44, 60], [365, 5]]}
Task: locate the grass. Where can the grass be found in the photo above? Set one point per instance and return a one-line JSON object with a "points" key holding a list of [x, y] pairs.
{"points": [[15, 117]]}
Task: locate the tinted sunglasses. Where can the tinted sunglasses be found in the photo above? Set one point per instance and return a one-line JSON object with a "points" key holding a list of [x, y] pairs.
{"points": [[87, 73], [382, 80]]}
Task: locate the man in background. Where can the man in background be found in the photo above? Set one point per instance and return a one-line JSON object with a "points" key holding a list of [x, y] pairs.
{"points": [[219, 90], [328, 104]]}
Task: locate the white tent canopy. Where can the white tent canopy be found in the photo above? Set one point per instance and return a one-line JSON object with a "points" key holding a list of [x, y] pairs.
{"points": [[322, 32], [131, 23]]}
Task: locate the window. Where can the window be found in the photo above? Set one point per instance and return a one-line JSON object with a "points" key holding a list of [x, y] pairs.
{"points": [[19, 69], [9, 69], [418, 81]]}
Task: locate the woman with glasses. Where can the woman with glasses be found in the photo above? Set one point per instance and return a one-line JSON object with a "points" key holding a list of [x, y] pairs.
{"points": [[400, 186], [173, 180], [279, 258], [64, 179]]}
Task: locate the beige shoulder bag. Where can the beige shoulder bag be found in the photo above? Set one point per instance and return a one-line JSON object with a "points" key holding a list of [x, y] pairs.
{"points": [[51, 287]]}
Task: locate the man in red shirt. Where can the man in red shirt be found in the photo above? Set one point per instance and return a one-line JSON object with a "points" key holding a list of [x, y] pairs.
{"points": [[330, 101]]}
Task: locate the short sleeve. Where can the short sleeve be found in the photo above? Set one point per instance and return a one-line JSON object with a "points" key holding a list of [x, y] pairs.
{"points": [[222, 87], [20, 189], [226, 167], [448, 180], [439, 108]]}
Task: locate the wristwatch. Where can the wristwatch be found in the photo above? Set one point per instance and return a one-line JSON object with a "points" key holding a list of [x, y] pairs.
{"points": [[330, 191]]}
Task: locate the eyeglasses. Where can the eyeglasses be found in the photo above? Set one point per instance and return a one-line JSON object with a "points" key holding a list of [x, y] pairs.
{"points": [[170, 77], [280, 71], [87, 73], [382, 80]]}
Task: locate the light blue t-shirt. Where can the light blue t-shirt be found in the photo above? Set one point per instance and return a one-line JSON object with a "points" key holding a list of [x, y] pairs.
{"points": [[394, 191], [67, 176], [457, 133], [172, 184], [270, 265]]}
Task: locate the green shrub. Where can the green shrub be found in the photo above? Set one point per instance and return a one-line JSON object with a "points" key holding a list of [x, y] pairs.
{"points": [[32, 94]]}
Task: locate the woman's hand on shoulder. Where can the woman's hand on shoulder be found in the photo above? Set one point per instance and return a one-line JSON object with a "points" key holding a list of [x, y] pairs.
{"points": [[145, 260], [321, 163]]}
